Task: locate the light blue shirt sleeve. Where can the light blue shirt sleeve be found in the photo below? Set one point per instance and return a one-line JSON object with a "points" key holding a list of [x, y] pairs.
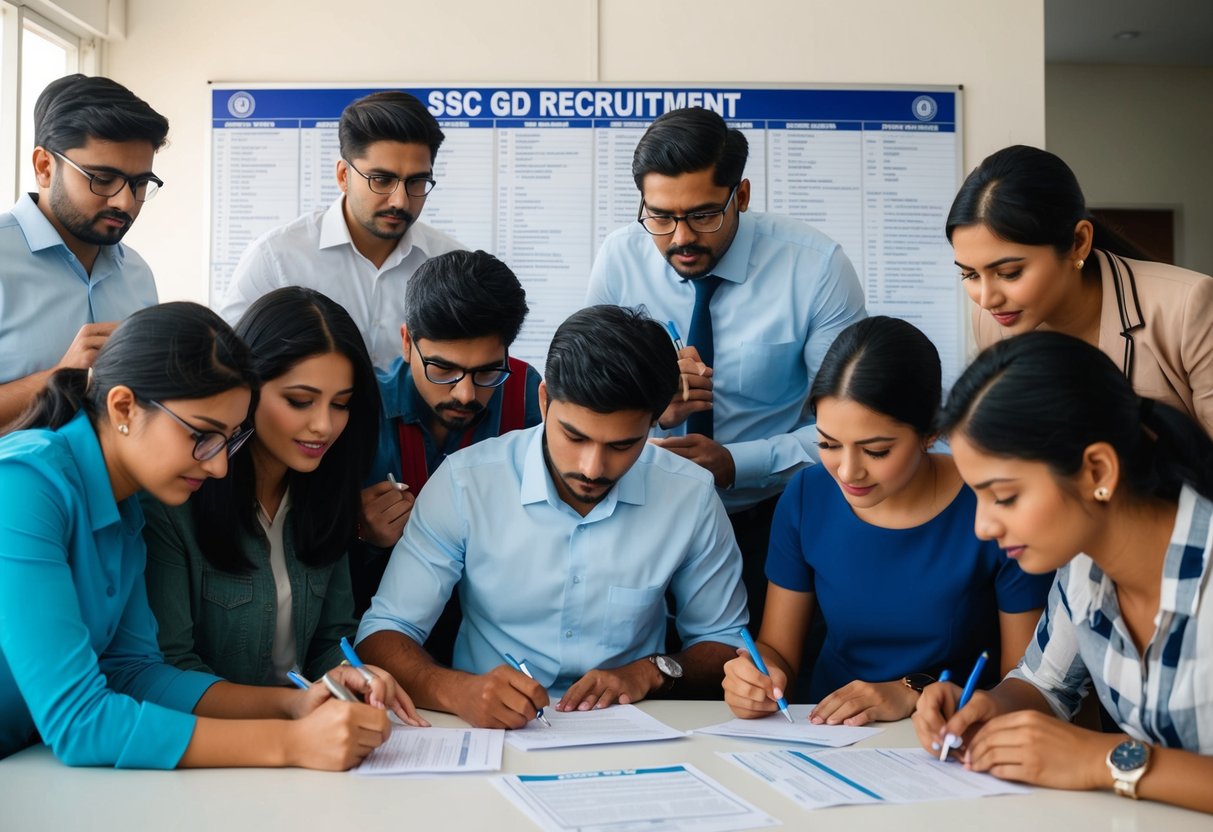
{"points": [[425, 565], [709, 596], [58, 653]]}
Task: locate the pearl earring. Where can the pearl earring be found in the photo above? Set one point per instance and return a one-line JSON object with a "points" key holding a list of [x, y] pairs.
{"points": [[1079, 263], [124, 430], [1103, 494]]}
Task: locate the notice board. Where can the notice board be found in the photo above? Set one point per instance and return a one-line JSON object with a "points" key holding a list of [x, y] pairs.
{"points": [[540, 174]]}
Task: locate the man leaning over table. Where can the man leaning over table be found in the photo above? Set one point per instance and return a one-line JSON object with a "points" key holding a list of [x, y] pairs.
{"points": [[562, 541]]}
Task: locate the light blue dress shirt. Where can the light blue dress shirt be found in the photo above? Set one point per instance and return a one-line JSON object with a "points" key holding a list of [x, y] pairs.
{"points": [[79, 662], [788, 290], [46, 295], [537, 580]]}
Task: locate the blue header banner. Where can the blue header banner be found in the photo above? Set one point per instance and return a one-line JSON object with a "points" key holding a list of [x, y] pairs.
{"points": [[572, 103]]}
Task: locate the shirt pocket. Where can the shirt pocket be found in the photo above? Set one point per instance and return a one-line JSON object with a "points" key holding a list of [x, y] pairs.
{"points": [[767, 370], [631, 615], [228, 608]]}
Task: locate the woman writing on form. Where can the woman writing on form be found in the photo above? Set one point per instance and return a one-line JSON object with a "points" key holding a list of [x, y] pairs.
{"points": [[250, 578], [162, 408], [880, 535], [1031, 257], [1075, 472]]}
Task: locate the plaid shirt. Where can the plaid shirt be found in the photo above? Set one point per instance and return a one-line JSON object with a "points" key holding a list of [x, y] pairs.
{"points": [[1164, 698]]}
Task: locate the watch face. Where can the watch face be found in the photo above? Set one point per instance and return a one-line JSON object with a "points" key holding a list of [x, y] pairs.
{"points": [[1128, 756], [668, 666]]}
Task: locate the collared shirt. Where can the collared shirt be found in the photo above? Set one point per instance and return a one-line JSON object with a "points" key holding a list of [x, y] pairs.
{"points": [[788, 290], [403, 404], [1163, 697], [46, 295], [539, 581], [78, 656], [315, 251]]}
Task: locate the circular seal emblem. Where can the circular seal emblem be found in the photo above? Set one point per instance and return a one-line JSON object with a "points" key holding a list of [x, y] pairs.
{"points": [[241, 104], [924, 108]]}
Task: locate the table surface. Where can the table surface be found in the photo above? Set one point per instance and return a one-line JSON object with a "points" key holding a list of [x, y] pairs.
{"points": [[39, 793]]}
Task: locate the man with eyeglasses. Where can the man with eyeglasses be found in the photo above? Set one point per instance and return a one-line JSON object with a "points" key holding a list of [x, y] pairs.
{"points": [[362, 250], [758, 299], [562, 542], [66, 281], [454, 385]]}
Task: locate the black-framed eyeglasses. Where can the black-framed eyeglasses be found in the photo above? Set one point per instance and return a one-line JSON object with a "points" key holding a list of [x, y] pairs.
{"points": [[208, 443], [443, 373], [144, 186], [701, 222], [384, 183]]}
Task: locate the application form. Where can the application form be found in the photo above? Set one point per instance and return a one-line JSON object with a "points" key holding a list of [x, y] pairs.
{"points": [[436, 751], [775, 727], [836, 777], [617, 723], [677, 797]]}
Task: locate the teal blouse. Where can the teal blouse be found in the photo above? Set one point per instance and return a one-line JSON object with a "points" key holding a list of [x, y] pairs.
{"points": [[223, 622]]}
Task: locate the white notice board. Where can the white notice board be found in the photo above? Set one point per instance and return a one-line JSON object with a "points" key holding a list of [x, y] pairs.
{"points": [[539, 175]]}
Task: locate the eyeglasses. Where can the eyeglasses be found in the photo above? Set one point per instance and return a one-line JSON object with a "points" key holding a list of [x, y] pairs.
{"points": [[384, 184], [701, 222], [208, 443], [144, 187], [443, 373]]}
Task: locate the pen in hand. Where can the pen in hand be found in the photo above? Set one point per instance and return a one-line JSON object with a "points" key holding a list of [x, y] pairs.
{"points": [[951, 740], [756, 657], [521, 667], [671, 328], [338, 690], [355, 662]]}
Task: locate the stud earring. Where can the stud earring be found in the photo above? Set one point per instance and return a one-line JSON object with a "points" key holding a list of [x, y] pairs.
{"points": [[1079, 263], [124, 430], [1103, 494]]}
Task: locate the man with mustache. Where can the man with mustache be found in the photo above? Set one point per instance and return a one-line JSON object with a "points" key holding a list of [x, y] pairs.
{"points": [[66, 281], [758, 299], [563, 541], [362, 250], [454, 385]]}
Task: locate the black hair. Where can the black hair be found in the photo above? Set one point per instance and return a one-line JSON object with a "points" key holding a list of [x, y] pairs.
{"points": [[690, 140], [1029, 196], [75, 107], [464, 294], [1044, 396], [283, 328], [169, 351], [387, 116], [886, 365], [612, 358]]}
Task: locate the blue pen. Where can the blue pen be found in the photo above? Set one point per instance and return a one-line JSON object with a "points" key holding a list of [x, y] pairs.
{"points": [[300, 682], [521, 667], [946, 676], [338, 690], [671, 328], [762, 668], [354, 661], [951, 740]]}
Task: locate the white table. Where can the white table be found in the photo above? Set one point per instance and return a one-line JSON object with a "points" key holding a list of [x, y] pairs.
{"points": [[39, 793]]}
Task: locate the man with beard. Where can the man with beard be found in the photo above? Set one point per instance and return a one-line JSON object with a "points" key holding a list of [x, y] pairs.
{"points": [[563, 541], [362, 249], [454, 385], [65, 279], [758, 298]]}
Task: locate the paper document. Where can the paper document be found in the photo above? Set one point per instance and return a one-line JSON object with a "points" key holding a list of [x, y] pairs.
{"points": [[436, 750], [838, 777], [776, 727], [618, 723], [677, 797]]}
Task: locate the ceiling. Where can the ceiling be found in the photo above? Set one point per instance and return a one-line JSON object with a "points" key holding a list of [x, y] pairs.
{"points": [[1173, 32]]}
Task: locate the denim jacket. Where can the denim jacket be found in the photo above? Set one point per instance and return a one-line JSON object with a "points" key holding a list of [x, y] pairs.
{"points": [[223, 622]]}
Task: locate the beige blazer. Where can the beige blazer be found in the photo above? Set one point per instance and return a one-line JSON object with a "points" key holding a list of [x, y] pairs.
{"points": [[1167, 314]]}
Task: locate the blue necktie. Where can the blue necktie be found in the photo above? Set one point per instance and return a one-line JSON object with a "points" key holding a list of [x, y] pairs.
{"points": [[700, 337]]}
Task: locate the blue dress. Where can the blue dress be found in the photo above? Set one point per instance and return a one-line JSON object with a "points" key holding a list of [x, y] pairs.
{"points": [[895, 601], [79, 663]]}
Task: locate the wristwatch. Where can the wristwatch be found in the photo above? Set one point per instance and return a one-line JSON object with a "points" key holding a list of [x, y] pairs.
{"points": [[918, 681], [1128, 763], [669, 668]]}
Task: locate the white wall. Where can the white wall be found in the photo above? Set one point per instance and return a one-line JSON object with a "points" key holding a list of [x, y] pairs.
{"points": [[1138, 137], [995, 49]]}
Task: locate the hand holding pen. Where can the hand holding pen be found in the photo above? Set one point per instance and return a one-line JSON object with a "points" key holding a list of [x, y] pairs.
{"points": [[756, 657], [384, 511], [931, 721], [695, 378], [342, 680], [521, 667]]}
